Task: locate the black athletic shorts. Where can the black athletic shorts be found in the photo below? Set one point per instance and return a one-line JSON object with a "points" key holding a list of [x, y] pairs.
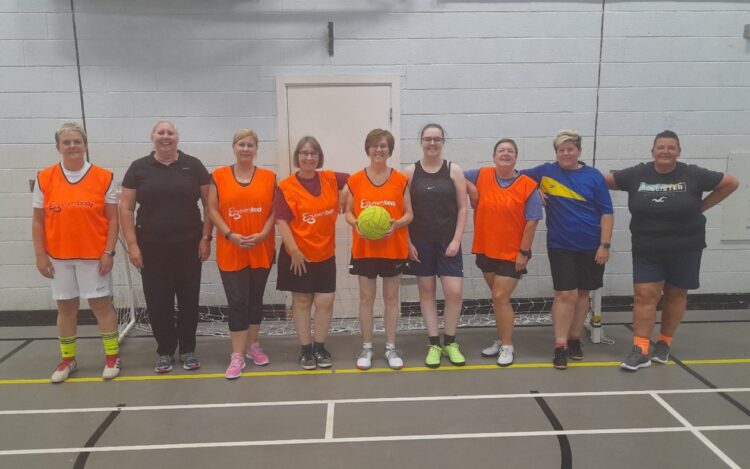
{"points": [[319, 278], [499, 267], [374, 267], [575, 270]]}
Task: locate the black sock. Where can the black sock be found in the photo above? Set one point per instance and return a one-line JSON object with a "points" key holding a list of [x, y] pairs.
{"points": [[307, 348], [435, 340], [448, 339], [319, 345]]}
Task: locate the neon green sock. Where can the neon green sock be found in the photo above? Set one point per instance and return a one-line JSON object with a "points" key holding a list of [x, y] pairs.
{"points": [[111, 346], [68, 346]]}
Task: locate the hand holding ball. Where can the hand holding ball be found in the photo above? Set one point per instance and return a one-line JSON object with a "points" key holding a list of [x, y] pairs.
{"points": [[374, 222]]}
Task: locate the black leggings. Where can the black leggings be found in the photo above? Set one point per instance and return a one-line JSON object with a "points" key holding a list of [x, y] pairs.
{"points": [[170, 270], [244, 289]]}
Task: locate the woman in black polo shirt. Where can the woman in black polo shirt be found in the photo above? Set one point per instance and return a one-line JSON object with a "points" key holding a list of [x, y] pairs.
{"points": [[168, 241]]}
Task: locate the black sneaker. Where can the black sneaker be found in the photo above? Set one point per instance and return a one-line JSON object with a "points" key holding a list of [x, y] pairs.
{"points": [[307, 360], [322, 357], [635, 360], [661, 352], [560, 360], [575, 349]]}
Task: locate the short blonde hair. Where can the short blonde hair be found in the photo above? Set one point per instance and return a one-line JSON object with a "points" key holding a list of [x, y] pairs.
{"points": [[163, 121], [565, 136], [244, 133], [70, 127]]}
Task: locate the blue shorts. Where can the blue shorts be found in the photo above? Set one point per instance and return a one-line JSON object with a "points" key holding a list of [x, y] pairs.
{"points": [[679, 269], [433, 261]]}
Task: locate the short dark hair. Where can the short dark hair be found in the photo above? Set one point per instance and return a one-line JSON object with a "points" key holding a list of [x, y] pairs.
{"points": [[505, 140], [307, 139], [376, 135], [667, 134], [433, 126]]}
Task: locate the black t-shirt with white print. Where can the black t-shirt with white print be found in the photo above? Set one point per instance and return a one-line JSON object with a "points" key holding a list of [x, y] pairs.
{"points": [[666, 208]]}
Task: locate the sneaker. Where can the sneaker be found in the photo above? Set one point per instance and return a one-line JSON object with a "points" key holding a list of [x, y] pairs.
{"points": [[505, 357], [236, 365], [255, 353], [111, 367], [492, 350], [364, 360], [322, 357], [190, 361], [560, 360], [307, 360], [636, 359], [63, 370], [575, 349], [164, 364], [661, 352], [432, 360], [394, 358], [454, 354]]}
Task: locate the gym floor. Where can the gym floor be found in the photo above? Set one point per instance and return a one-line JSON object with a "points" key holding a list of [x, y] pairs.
{"points": [[692, 412]]}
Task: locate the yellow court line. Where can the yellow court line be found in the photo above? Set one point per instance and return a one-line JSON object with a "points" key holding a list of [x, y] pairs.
{"points": [[347, 371]]}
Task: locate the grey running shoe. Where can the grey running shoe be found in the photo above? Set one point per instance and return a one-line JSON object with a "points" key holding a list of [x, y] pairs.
{"points": [[492, 350], [661, 352], [322, 357], [190, 361], [164, 364], [636, 359], [395, 359], [560, 359], [306, 360], [575, 349]]}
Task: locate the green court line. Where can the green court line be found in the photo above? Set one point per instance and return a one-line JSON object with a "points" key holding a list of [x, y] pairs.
{"points": [[347, 371]]}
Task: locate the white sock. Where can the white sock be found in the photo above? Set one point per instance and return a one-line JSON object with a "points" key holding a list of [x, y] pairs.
{"points": [[367, 345]]}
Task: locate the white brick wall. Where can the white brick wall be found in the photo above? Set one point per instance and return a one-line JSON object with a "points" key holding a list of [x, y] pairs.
{"points": [[484, 70]]}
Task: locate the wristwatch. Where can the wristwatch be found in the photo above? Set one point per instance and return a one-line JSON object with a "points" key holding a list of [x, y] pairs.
{"points": [[110, 253], [525, 252], [208, 237], [606, 245], [228, 234]]}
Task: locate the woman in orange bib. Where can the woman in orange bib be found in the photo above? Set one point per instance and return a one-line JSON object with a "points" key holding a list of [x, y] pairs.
{"points": [[383, 186], [74, 230], [307, 205], [507, 208], [240, 204]]}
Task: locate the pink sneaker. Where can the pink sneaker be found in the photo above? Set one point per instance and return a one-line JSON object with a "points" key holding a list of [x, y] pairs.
{"points": [[236, 364], [256, 354]]}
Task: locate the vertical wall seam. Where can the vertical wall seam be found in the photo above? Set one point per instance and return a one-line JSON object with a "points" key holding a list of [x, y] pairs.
{"points": [[598, 83], [78, 69]]}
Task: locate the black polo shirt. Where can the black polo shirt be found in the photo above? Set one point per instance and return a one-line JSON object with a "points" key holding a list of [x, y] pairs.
{"points": [[167, 198]]}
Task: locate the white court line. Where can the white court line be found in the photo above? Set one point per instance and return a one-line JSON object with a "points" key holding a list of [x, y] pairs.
{"points": [[229, 405], [371, 439], [718, 452], [329, 420], [727, 460]]}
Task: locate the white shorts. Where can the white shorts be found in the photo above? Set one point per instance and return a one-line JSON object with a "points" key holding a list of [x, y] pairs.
{"points": [[79, 278]]}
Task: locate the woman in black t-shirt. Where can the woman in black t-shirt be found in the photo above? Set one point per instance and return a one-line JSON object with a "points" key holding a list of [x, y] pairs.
{"points": [[668, 232], [168, 241]]}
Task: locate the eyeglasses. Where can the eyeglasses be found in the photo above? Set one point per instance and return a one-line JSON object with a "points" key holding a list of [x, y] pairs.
{"points": [[382, 146], [433, 141], [309, 154]]}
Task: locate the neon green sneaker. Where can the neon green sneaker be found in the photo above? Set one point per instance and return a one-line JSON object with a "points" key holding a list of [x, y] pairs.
{"points": [[433, 356], [454, 354]]}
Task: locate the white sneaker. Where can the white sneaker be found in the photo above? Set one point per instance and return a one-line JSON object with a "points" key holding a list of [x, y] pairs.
{"points": [[505, 357], [112, 367], [492, 350], [364, 360], [63, 370], [394, 358]]}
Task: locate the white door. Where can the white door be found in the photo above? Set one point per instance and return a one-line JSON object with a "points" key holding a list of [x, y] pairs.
{"points": [[339, 112]]}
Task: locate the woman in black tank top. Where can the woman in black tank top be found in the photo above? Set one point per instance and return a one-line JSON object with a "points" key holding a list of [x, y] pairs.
{"points": [[438, 192]]}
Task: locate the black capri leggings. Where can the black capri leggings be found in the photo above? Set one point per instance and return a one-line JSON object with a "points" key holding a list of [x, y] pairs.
{"points": [[244, 289]]}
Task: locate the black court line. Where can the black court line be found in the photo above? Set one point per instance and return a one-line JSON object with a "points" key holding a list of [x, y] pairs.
{"points": [[566, 453], [711, 385], [705, 381], [15, 350], [83, 457]]}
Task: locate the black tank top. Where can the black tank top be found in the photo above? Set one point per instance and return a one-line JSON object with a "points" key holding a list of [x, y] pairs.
{"points": [[433, 200]]}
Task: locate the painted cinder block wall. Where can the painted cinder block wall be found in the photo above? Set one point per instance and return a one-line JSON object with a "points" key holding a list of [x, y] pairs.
{"points": [[484, 70]]}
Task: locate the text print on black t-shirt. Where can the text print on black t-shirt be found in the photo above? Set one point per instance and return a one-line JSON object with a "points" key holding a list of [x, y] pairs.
{"points": [[660, 192]]}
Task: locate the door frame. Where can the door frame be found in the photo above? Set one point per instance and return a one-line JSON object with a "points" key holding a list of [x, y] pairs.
{"points": [[285, 82]]}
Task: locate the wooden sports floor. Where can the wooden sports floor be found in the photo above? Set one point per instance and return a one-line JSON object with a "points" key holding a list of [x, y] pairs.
{"points": [[690, 413]]}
